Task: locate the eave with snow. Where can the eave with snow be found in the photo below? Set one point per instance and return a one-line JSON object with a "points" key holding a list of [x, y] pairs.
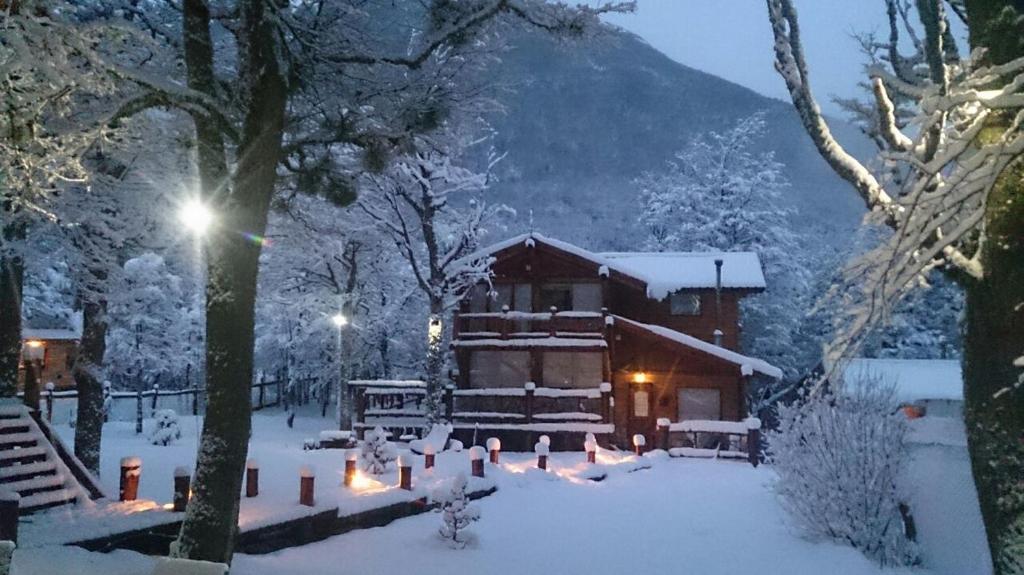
{"points": [[662, 329]]}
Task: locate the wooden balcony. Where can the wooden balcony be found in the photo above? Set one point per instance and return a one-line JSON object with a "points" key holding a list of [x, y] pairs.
{"points": [[526, 325]]}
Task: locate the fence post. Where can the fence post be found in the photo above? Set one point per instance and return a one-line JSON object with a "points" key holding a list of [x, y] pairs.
{"points": [[10, 501], [49, 401], [360, 412], [494, 447], [753, 440], [156, 396], [404, 473], [252, 478], [663, 428], [131, 470], [195, 400], [138, 412], [449, 403], [606, 402], [108, 401], [262, 384], [476, 459], [531, 389], [182, 489], [552, 328]]}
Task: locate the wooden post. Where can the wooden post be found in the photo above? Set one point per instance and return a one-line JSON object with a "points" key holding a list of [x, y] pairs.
{"points": [[360, 398], [107, 397], [131, 471], [10, 501], [156, 396], [195, 400], [49, 401], [262, 384], [182, 488], [753, 440], [252, 478], [428, 456], [504, 322], [531, 389], [606, 402], [552, 331], [449, 403], [138, 412], [476, 459], [33, 371], [663, 428], [306, 485], [542, 450], [639, 441], [494, 448], [404, 473], [351, 457]]}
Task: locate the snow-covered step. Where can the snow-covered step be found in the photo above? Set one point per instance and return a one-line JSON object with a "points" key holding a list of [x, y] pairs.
{"points": [[23, 438], [47, 499], [9, 456], [14, 424], [17, 472], [32, 485]]}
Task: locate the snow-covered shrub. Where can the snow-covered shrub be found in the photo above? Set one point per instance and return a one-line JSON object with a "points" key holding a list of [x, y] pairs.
{"points": [[167, 430], [456, 512], [838, 456], [377, 451]]}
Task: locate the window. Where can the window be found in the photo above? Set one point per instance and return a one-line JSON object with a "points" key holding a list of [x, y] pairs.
{"points": [[557, 295], [478, 298], [641, 403], [685, 303], [573, 368], [586, 297], [698, 403], [499, 368], [502, 295]]}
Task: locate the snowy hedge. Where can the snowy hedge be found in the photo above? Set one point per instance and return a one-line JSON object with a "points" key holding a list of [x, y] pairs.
{"points": [[838, 457]]}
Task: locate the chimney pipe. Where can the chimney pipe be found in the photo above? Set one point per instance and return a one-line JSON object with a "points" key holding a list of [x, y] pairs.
{"points": [[718, 300]]}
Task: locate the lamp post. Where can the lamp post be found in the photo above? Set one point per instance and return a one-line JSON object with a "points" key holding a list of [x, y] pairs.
{"points": [[341, 321]]}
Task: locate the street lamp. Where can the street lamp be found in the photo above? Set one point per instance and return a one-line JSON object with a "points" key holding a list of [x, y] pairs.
{"points": [[339, 320], [196, 216]]}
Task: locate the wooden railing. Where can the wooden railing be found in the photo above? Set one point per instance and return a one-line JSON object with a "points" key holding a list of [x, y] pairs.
{"points": [[399, 407], [518, 324], [711, 438]]}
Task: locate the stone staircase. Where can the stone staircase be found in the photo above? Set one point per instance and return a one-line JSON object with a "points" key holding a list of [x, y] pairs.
{"points": [[32, 463]]}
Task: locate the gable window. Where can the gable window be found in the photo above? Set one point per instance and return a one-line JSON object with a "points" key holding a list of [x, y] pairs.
{"points": [[683, 303], [557, 295], [586, 297], [499, 368], [573, 368], [699, 403]]}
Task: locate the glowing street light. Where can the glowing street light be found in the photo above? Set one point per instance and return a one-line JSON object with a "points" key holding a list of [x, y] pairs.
{"points": [[339, 320], [196, 216]]}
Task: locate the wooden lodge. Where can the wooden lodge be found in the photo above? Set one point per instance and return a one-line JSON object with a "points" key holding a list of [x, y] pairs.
{"points": [[54, 351], [564, 341]]}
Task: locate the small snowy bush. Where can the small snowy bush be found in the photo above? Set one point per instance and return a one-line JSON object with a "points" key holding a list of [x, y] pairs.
{"points": [[838, 457], [377, 451], [456, 513], [167, 430]]}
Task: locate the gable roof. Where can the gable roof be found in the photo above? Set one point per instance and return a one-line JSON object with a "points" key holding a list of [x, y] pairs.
{"points": [[660, 272], [748, 365]]}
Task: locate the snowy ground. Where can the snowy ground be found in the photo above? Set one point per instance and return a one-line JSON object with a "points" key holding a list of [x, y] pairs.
{"points": [[694, 516]]}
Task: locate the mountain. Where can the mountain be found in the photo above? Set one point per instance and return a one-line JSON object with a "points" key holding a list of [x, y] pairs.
{"points": [[583, 118]]}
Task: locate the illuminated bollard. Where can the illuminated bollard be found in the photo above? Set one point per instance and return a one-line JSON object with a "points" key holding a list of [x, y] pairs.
{"points": [[494, 448], [476, 458], [307, 477], [542, 451], [639, 441], [663, 428], [252, 478], [545, 440], [131, 471], [182, 487], [404, 473], [351, 457], [428, 456], [590, 446]]}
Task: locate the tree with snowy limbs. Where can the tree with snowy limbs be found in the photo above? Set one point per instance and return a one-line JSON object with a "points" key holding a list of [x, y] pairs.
{"points": [[456, 512], [956, 207], [377, 452]]}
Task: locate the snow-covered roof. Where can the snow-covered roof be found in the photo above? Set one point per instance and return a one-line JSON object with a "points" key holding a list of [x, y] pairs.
{"points": [[915, 379], [747, 364], [663, 273], [666, 272], [49, 334]]}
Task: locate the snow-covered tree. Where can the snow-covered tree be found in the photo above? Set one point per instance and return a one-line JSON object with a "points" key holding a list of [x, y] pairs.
{"points": [[377, 452], [838, 457], [719, 194], [456, 512], [166, 429], [417, 204]]}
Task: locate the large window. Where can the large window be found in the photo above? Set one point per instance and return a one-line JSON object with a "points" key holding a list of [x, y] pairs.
{"points": [[570, 296], [699, 403], [573, 368], [499, 368], [683, 303], [556, 295], [586, 297]]}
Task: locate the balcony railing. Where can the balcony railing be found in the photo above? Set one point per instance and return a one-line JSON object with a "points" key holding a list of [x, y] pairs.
{"points": [[519, 324]]}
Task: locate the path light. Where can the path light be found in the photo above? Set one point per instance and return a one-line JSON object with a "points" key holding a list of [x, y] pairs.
{"points": [[196, 216], [639, 441]]}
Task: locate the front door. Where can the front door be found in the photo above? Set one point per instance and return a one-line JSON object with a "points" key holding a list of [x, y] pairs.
{"points": [[641, 412]]}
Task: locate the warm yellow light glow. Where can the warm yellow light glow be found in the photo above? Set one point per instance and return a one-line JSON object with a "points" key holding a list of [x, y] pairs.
{"points": [[640, 377], [339, 320], [434, 330], [363, 483], [196, 216], [34, 343]]}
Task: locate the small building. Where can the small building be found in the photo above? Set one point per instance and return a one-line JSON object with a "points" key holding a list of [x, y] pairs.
{"points": [[935, 386], [663, 329], [56, 349]]}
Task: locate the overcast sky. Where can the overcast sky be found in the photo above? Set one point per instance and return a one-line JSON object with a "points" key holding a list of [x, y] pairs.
{"points": [[732, 39]]}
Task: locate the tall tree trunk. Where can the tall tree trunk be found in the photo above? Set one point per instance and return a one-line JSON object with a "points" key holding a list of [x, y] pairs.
{"points": [[88, 376], [346, 335], [211, 518], [12, 273], [994, 330]]}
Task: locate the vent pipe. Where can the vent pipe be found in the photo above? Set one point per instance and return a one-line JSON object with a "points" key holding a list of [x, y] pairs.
{"points": [[718, 301]]}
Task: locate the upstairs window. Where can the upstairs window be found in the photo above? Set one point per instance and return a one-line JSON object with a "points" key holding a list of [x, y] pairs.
{"points": [[570, 297], [683, 303], [499, 368], [573, 368], [557, 295]]}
